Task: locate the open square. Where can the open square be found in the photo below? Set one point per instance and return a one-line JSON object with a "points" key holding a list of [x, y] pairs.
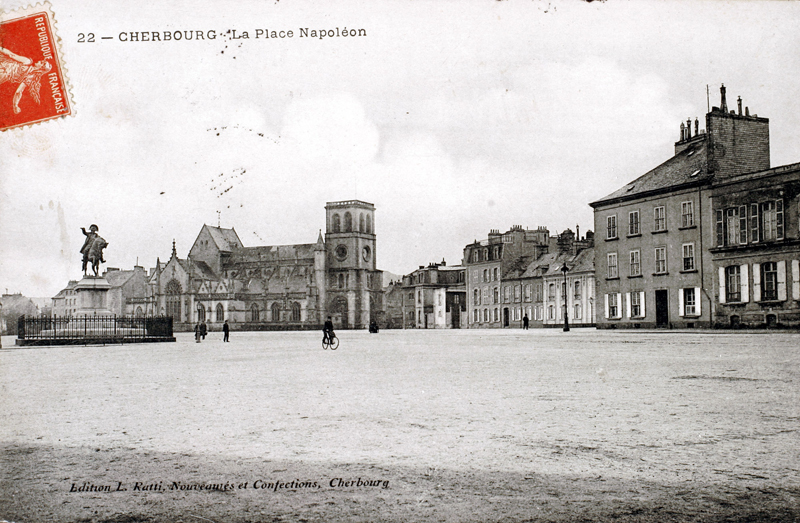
{"points": [[405, 426]]}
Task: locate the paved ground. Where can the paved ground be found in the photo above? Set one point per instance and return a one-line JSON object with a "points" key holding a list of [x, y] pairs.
{"points": [[405, 426]]}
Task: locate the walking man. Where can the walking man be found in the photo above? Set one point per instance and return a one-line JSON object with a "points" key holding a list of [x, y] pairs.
{"points": [[197, 333], [225, 331], [525, 322]]}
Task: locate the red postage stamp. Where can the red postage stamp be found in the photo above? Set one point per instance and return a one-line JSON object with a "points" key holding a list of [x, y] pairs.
{"points": [[33, 86]]}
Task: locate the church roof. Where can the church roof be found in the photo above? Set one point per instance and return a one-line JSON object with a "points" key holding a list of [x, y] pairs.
{"points": [[226, 239], [272, 253], [687, 167]]}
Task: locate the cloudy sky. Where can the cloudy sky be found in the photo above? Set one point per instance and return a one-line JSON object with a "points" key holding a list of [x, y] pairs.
{"points": [[453, 118]]}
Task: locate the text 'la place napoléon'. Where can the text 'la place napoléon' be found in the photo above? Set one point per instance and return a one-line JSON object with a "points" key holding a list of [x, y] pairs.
{"points": [[235, 34]]}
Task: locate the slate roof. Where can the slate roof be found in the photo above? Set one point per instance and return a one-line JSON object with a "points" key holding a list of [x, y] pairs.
{"points": [[686, 167], [272, 253], [118, 278], [226, 239]]}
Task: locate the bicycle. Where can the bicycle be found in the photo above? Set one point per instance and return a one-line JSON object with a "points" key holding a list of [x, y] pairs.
{"points": [[330, 342]]}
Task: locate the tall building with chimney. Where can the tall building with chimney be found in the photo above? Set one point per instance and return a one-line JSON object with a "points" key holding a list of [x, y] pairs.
{"points": [[693, 242]]}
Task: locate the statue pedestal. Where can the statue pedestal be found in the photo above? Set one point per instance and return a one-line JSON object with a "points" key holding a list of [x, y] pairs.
{"points": [[92, 293]]}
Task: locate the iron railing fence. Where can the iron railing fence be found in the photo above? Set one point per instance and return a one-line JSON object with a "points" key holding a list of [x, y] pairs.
{"points": [[94, 329]]}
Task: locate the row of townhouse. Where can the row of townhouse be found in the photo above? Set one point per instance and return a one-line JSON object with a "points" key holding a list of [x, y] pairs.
{"points": [[527, 274], [709, 238]]}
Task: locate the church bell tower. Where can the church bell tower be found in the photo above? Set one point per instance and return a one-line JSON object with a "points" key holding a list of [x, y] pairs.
{"points": [[354, 285]]}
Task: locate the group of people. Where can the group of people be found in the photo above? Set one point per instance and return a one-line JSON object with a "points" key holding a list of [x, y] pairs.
{"points": [[200, 331]]}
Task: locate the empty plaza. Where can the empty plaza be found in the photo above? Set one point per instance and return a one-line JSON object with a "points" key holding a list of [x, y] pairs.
{"points": [[405, 426]]}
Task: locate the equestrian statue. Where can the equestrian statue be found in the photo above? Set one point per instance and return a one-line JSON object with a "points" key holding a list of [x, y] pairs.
{"points": [[92, 249]]}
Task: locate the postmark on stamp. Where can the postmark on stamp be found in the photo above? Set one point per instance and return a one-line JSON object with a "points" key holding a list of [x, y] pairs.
{"points": [[33, 84]]}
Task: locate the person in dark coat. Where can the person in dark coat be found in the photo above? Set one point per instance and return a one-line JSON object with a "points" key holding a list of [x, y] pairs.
{"points": [[327, 330], [197, 334], [225, 331], [525, 322], [203, 329]]}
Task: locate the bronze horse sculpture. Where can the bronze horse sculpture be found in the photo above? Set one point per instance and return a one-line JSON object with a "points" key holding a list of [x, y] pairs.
{"points": [[92, 249]]}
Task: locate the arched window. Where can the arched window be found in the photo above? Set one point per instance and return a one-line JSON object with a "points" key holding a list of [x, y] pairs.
{"points": [[220, 313], [577, 314], [276, 312], [253, 313], [139, 312], [341, 281], [173, 299], [201, 313], [348, 222], [476, 297], [337, 223], [295, 312], [361, 223], [369, 224], [577, 289]]}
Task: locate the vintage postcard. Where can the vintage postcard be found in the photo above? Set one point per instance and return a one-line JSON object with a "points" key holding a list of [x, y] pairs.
{"points": [[518, 260]]}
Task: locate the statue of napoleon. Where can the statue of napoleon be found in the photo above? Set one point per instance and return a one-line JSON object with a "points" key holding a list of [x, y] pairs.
{"points": [[92, 249]]}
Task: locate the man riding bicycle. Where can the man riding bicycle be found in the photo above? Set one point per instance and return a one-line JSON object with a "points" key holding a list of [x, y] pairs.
{"points": [[327, 331]]}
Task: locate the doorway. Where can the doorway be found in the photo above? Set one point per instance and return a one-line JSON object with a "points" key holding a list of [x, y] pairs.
{"points": [[505, 317], [662, 308]]}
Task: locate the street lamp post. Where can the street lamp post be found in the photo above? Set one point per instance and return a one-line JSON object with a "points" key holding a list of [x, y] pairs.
{"points": [[564, 269]]}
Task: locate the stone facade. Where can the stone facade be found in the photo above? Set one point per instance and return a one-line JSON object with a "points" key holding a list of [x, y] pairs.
{"points": [[756, 248], [277, 287], [434, 297], [690, 243], [486, 262]]}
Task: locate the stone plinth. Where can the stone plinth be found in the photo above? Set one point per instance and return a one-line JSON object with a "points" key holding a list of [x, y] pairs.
{"points": [[92, 295]]}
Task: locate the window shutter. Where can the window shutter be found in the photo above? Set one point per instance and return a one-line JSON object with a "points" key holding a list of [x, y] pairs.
{"points": [[720, 230], [754, 232], [698, 299], [756, 282], [680, 302], [744, 286], [743, 224], [606, 306], [781, 280], [619, 305], [795, 280], [722, 282], [641, 304], [779, 219], [628, 304]]}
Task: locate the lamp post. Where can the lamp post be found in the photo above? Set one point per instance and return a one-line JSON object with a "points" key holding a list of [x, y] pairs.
{"points": [[564, 269]]}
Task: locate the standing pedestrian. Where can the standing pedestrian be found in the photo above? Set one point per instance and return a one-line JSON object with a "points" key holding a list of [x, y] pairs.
{"points": [[203, 329], [197, 334], [525, 322], [225, 331]]}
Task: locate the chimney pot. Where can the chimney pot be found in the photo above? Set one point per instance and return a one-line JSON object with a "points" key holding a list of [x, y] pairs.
{"points": [[747, 111], [723, 102], [739, 101]]}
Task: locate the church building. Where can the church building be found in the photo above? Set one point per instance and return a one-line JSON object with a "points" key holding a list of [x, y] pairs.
{"points": [[278, 287]]}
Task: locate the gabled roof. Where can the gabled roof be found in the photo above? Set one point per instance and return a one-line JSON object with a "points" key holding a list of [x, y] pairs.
{"points": [[688, 167], [118, 278], [226, 239]]}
